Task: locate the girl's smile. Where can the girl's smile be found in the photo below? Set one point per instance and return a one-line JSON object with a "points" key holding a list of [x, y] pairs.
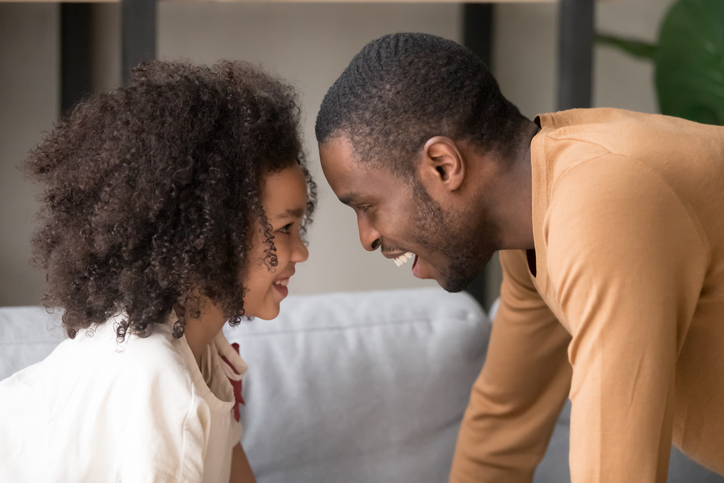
{"points": [[284, 199]]}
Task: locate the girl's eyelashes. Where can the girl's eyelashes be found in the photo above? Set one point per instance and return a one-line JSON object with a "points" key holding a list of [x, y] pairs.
{"points": [[285, 229]]}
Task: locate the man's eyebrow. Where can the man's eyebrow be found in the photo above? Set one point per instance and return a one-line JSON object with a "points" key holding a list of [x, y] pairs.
{"points": [[292, 213], [349, 199]]}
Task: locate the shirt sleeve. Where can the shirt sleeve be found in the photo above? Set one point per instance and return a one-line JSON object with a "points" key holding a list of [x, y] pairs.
{"points": [[626, 263], [521, 389]]}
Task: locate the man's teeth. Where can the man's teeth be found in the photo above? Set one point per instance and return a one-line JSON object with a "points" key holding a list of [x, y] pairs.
{"points": [[283, 283], [402, 259]]}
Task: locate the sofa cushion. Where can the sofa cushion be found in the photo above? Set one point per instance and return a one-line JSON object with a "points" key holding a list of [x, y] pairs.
{"points": [[360, 387]]}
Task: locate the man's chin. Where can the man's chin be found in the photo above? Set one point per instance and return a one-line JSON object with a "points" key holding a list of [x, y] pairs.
{"points": [[453, 287], [456, 282], [458, 278]]}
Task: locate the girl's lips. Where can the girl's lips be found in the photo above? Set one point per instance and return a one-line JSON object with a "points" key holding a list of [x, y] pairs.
{"points": [[280, 285], [282, 289]]}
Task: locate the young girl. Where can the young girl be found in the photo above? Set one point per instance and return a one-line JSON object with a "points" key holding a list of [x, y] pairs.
{"points": [[170, 206]]}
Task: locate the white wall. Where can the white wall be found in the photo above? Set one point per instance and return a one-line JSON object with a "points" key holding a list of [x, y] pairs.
{"points": [[29, 73], [309, 44]]}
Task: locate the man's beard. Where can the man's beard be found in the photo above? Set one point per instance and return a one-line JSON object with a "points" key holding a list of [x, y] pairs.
{"points": [[464, 238]]}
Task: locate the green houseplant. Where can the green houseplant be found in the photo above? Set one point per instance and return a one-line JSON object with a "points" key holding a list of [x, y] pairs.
{"points": [[688, 60]]}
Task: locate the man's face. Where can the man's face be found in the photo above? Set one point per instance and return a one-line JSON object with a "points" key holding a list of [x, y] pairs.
{"points": [[451, 243]]}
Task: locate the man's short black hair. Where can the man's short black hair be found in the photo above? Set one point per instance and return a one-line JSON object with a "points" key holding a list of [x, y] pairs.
{"points": [[402, 89]]}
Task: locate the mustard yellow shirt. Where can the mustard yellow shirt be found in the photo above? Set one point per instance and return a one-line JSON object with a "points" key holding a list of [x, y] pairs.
{"points": [[624, 314]]}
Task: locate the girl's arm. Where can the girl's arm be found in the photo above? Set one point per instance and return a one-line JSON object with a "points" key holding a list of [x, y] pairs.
{"points": [[240, 469]]}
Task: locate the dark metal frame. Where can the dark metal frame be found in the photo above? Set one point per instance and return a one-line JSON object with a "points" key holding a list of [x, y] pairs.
{"points": [[138, 43], [75, 53], [478, 37], [575, 53], [478, 30]]}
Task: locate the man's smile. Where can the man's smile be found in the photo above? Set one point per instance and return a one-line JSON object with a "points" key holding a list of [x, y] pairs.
{"points": [[402, 259]]}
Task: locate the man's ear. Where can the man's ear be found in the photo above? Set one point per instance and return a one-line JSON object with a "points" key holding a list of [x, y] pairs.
{"points": [[442, 164]]}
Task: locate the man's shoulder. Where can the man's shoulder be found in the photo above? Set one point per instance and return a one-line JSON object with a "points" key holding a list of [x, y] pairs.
{"points": [[618, 130], [572, 138], [597, 178], [674, 147], [604, 207]]}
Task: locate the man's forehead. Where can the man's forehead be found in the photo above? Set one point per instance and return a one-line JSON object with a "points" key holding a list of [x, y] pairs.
{"points": [[341, 161], [338, 150], [356, 155]]}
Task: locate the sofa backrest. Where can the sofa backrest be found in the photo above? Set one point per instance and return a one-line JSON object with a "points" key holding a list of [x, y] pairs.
{"points": [[360, 387]]}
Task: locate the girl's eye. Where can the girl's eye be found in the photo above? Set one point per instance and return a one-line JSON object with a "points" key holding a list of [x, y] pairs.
{"points": [[285, 229]]}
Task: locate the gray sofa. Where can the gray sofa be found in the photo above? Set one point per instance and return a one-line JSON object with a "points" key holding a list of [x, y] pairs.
{"points": [[349, 387]]}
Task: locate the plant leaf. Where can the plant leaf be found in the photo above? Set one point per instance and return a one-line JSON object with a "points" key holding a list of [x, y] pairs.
{"points": [[690, 61], [637, 48]]}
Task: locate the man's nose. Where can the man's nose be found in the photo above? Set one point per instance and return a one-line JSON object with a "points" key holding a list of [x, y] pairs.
{"points": [[368, 236]]}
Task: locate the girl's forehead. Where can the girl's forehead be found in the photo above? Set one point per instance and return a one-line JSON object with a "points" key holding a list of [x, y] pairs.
{"points": [[285, 192]]}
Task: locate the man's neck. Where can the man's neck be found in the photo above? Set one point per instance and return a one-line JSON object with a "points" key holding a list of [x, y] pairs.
{"points": [[514, 198]]}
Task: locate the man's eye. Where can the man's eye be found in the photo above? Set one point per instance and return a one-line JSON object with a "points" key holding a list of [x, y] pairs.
{"points": [[364, 208]]}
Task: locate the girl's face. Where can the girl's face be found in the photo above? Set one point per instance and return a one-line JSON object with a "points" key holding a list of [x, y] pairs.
{"points": [[284, 199]]}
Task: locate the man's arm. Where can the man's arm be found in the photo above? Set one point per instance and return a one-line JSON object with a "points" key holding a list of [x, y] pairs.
{"points": [[626, 262], [524, 383]]}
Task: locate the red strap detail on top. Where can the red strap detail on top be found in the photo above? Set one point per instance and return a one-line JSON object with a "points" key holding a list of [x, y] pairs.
{"points": [[236, 385]]}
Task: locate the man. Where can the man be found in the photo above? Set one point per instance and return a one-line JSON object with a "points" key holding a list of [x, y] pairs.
{"points": [[611, 234]]}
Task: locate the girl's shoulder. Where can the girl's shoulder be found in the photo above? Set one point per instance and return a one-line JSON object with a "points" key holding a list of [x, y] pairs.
{"points": [[144, 404], [144, 367]]}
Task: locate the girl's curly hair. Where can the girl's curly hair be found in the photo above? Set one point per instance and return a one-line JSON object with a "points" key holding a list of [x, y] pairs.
{"points": [[153, 190]]}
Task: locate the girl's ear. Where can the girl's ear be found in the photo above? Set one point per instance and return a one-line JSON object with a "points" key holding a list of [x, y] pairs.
{"points": [[442, 167]]}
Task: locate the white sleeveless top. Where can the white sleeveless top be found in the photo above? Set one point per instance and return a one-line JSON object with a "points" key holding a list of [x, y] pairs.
{"points": [[140, 411]]}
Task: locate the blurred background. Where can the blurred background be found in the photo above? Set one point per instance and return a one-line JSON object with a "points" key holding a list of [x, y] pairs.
{"points": [[309, 44]]}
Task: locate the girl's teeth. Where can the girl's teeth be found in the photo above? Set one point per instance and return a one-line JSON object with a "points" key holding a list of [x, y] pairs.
{"points": [[283, 283]]}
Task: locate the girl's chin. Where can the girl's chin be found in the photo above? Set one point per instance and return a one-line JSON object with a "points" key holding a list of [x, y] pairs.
{"points": [[267, 308], [268, 312], [267, 316]]}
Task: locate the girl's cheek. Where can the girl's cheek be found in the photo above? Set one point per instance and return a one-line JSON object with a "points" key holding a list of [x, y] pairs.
{"points": [[283, 251]]}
